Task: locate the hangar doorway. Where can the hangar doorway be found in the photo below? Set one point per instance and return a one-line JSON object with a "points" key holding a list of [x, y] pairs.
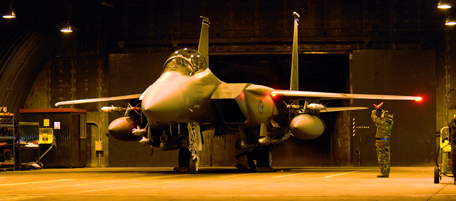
{"points": [[317, 72], [401, 72]]}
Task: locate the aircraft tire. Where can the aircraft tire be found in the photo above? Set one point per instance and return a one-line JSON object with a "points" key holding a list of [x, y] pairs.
{"points": [[265, 157], [436, 175], [193, 166], [184, 157], [250, 158]]}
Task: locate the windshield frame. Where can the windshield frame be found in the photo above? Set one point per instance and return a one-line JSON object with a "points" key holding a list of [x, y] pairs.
{"points": [[188, 64], [194, 62]]}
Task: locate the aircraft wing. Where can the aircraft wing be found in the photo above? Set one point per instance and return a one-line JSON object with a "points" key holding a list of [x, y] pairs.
{"points": [[96, 100], [338, 109], [328, 95]]}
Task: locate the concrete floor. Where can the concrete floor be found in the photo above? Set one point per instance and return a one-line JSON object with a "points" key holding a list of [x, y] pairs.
{"points": [[333, 183]]}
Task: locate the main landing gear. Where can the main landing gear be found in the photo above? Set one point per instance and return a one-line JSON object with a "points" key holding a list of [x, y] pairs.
{"points": [[188, 160], [258, 158], [187, 155]]}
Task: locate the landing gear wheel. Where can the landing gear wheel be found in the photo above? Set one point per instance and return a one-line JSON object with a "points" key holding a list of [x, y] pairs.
{"points": [[265, 157], [250, 160], [193, 165], [437, 175], [184, 157]]}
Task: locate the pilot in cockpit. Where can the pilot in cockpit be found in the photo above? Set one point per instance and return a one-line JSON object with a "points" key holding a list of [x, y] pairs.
{"points": [[185, 61]]}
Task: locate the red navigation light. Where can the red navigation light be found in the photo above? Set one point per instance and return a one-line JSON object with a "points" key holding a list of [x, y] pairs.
{"points": [[423, 98], [273, 94]]}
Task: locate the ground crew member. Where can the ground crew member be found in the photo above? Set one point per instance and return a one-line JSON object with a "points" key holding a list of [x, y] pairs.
{"points": [[452, 127], [384, 125]]}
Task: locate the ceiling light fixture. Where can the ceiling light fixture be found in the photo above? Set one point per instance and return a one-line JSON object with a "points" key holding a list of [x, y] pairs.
{"points": [[451, 19], [10, 14], [67, 28], [444, 4], [450, 22]]}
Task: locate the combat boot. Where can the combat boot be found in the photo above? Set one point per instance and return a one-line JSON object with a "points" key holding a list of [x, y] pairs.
{"points": [[382, 176]]}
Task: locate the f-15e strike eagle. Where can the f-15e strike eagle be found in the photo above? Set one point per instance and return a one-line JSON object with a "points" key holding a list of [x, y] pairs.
{"points": [[188, 98]]}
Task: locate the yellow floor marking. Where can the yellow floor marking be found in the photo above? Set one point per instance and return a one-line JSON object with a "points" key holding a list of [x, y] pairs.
{"points": [[35, 182], [335, 175], [235, 175], [288, 175], [122, 187]]}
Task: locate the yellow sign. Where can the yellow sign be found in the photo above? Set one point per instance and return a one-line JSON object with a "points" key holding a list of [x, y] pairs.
{"points": [[46, 136], [46, 122]]}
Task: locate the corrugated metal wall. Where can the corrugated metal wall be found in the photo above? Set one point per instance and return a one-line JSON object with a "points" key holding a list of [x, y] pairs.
{"points": [[409, 72], [237, 28], [71, 149]]}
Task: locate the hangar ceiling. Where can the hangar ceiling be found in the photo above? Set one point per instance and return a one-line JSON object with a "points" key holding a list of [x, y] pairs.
{"points": [[29, 42]]}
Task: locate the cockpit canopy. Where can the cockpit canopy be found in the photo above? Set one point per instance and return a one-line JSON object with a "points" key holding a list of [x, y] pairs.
{"points": [[185, 61]]}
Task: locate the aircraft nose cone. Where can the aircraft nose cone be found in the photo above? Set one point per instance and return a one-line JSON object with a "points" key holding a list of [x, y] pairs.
{"points": [[163, 103]]}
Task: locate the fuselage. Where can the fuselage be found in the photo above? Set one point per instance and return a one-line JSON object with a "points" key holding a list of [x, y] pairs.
{"points": [[188, 92], [179, 95]]}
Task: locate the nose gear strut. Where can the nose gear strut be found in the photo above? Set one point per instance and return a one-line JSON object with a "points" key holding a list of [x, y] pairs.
{"points": [[195, 144]]}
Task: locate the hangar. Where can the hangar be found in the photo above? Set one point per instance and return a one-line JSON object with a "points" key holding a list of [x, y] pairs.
{"points": [[119, 47]]}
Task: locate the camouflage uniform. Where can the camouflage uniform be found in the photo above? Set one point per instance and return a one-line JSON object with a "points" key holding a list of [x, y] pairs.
{"points": [[384, 126], [452, 127]]}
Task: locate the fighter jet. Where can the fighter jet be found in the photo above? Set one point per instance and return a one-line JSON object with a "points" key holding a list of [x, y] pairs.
{"points": [[188, 98]]}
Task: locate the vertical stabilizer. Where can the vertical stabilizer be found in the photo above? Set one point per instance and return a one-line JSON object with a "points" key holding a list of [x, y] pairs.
{"points": [[203, 46], [294, 80]]}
